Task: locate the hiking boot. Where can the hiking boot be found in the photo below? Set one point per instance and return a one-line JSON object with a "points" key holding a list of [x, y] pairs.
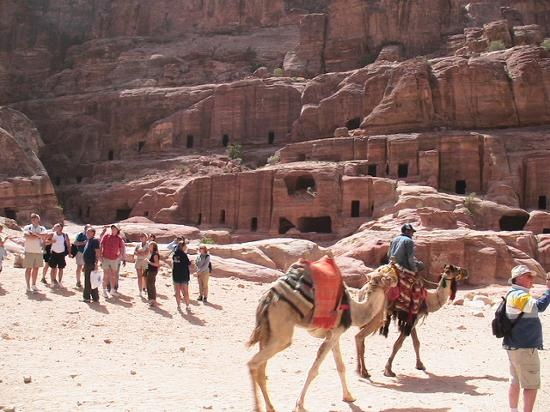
{"points": [[199, 298]]}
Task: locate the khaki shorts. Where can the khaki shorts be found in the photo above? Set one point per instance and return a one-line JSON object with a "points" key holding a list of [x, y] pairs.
{"points": [[110, 264], [142, 263], [79, 259], [33, 260], [525, 367]]}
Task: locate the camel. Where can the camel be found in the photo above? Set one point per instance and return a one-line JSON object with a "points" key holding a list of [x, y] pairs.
{"points": [[433, 302], [275, 322]]}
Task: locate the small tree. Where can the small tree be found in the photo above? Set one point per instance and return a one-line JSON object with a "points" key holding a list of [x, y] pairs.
{"points": [[278, 72], [470, 202], [546, 44], [276, 158], [208, 241], [235, 151], [496, 45]]}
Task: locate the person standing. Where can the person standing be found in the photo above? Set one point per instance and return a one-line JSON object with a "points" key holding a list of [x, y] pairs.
{"points": [[402, 250], [90, 255], [525, 339], [180, 274], [141, 253], [80, 242], [33, 260], [153, 265], [203, 272], [112, 252], [60, 249]]}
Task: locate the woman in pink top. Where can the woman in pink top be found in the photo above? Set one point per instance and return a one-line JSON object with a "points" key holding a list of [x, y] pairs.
{"points": [[112, 252]]}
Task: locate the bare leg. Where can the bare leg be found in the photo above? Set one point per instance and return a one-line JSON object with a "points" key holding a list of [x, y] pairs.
{"points": [[513, 395], [529, 397], [139, 273], [177, 293], [60, 275], [416, 344], [396, 346], [45, 271], [78, 272], [34, 275], [326, 346], [53, 275], [28, 277], [341, 367], [185, 288]]}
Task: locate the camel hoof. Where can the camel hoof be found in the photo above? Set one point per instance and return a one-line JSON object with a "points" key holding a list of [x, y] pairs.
{"points": [[420, 367], [364, 373], [389, 373], [349, 398]]}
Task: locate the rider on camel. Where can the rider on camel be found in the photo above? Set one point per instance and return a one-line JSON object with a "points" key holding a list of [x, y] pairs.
{"points": [[402, 250]]}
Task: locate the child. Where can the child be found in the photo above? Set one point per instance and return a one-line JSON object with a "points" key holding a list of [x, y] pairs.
{"points": [[180, 274], [3, 252]]}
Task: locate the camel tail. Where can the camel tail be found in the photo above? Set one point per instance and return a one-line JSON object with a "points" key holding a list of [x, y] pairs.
{"points": [[261, 330]]}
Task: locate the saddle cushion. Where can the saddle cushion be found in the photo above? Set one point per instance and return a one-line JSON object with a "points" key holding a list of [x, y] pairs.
{"points": [[328, 290]]}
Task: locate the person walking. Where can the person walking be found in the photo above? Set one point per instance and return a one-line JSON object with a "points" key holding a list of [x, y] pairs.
{"points": [[203, 272], [91, 255], [33, 260], [80, 242], [112, 252], [60, 248], [141, 253], [153, 265], [525, 339], [180, 274]]}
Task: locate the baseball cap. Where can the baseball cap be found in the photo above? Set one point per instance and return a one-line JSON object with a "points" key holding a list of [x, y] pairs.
{"points": [[407, 226], [518, 271]]}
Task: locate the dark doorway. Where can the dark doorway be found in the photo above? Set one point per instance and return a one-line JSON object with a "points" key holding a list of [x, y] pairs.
{"points": [[371, 170], [403, 170], [321, 224], [140, 146], [460, 187], [254, 224], [78, 179], [514, 222], [225, 140], [284, 225], [546, 230], [111, 155], [146, 214], [199, 220], [190, 141], [10, 213], [300, 184], [271, 137], [122, 214], [542, 202], [387, 169], [354, 123], [222, 217], [355, 207]]}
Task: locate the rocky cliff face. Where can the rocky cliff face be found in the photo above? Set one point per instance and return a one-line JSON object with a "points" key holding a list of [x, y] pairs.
{"points": [[136, 106]]}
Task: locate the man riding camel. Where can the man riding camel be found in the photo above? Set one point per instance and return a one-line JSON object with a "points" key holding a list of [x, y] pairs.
{"points": [[402, 250]]}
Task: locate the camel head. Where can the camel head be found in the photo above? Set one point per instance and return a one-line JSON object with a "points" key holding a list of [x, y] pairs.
{"points": [[384, 277], [453, 274]]}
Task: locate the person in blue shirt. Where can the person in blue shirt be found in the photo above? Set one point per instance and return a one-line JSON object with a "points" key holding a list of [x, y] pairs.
{"points": [[523, 343], [80, 242], [402, 250]]}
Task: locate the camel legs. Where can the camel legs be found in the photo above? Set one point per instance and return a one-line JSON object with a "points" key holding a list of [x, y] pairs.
{"points": [[396, 346], [326, 346], [360, 346], [341, 367], [416, 344]]}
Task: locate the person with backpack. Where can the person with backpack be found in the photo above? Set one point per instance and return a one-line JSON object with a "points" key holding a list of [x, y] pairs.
{"points": [[524, 339]]}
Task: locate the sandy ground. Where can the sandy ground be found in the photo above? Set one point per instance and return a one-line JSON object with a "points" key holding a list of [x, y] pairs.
{"points": [[121, 355]]}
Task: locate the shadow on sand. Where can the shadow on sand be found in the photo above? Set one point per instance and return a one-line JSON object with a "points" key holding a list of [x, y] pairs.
{"points": [[161, 311], [213, 305], [98, 307], [62, 292], [39, 296], [443, 384], [191, 318]]}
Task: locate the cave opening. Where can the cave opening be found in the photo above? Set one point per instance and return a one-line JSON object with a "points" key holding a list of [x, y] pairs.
{"points": [[302, 183], [10, 213], [199, 219], [222, 217], [122, 214], [355, 208], [284, 225], [460, 187], [254, 224], [225, 140], [546, 230], [542, 203], [271, 137], [371, 170], [111, 155], [322, 224], [354, 123], [513, 222], [403, 170], [190, 141], [141, 144]]}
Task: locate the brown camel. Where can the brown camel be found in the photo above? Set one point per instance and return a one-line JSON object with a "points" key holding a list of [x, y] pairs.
{"points": [[275, 322], [434, 301]]}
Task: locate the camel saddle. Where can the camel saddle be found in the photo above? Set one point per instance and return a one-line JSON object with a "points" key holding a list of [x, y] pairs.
{"points": [[315, 290]]}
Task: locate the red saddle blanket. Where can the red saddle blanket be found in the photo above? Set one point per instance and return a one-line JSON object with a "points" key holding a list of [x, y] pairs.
{"points": [[411, 294], [328, 290]]}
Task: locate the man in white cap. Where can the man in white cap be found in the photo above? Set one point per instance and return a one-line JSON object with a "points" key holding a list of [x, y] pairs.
{"points": [[525, 339]]}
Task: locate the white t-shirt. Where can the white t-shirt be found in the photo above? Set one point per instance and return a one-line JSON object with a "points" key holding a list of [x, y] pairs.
{"points": [[58, 243], [33, 244]]}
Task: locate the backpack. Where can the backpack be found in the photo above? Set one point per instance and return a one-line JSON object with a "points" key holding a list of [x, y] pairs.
{"points": [[502, 325]]}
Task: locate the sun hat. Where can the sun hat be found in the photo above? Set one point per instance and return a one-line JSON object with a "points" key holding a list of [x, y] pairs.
{"points": [[518, 271]]}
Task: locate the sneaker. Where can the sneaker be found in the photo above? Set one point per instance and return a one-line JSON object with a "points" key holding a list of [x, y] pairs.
{"points": [[200, 298], [34, 288], [78, 285], [205, 300]]}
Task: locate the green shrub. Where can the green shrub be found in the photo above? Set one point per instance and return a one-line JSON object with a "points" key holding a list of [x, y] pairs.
{"points": [[276, 158], [208, 241], [278, 72], [470, 202], [235, 151], [546, 44], [496, 45]]}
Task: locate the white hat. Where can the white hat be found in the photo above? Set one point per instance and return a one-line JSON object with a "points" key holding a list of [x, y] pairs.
{"points": [[518, 271]]}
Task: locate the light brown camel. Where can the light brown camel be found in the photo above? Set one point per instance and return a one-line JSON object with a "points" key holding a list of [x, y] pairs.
{"points": [[434, 301], [275, 322]]}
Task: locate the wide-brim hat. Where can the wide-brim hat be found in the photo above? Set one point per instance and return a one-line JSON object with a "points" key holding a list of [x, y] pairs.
{"points": [[518, 271]]}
